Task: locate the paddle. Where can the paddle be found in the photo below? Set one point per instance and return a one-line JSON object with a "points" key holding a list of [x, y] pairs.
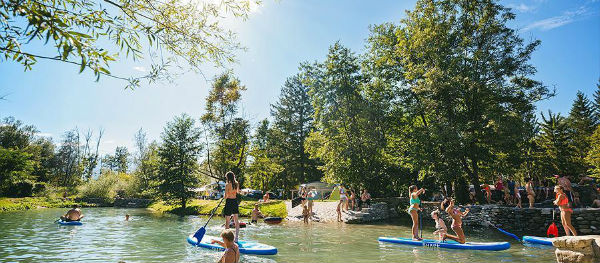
{"points": [[200, 233], [420, 226], [296, 201], [503, 231], [552, 229]]}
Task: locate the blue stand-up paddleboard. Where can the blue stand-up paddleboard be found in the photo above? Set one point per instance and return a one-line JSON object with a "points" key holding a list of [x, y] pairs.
{"points": [[70, 223], [490, 246], [546, 241], [246, 247]]}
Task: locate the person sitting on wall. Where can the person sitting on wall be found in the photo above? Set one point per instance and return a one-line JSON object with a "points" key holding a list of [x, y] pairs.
{"points": [[365, 199]]}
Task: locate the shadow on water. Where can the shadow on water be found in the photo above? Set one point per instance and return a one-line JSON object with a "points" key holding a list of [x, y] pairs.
{"points": [[105, 236]]}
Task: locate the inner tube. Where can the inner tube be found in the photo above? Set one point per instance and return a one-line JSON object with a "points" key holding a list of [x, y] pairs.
{"points": [[70, 223], [273, 220], [242, 225]]}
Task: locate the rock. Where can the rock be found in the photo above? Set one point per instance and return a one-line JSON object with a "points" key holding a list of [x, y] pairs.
{"points": [[579, 249]]}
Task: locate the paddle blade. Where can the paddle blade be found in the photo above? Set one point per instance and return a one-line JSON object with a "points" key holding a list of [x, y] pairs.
{"points": [[200, 234], [552, 230]]}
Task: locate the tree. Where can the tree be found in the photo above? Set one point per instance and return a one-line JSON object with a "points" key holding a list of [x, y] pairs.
{"points": [[69, 170], [178, 162], [554, 142], [593, 157], [293, 122], [119, 162], [90, 156], [345, 139], [596, 102], [15, 167], [465, 78], [264, 167], [93, 34], [582, 122], [227, 150]]}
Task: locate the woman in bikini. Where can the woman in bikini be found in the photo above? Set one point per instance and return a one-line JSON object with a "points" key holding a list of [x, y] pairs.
{"points": [[530, 192], [565, 211], [414, 209], [457, 216], [231, 204], [232, 251]]}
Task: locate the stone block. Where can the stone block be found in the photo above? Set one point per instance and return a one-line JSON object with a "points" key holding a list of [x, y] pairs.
{"points": [[568, 256]]}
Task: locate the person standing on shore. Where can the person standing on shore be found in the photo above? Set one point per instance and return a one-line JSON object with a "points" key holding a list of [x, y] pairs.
{"points": [[565, 211], [231, 204], [530, 192], [413, 210], [518, 196], [312, 195]]}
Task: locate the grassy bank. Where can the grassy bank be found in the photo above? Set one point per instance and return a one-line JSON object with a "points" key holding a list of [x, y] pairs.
{"points": [[25, 203], [204, 207]]}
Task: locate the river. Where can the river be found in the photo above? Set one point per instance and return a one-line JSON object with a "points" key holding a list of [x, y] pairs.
{"points": [[28, 236]]}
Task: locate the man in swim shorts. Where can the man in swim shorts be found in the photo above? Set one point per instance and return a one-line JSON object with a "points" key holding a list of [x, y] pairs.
{"points": [[72, 215]]}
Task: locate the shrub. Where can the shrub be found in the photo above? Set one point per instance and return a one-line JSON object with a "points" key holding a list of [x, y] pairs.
{"points": [[108, 186]]}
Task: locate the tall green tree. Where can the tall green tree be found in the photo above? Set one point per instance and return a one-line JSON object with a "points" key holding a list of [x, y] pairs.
{"points": [[292, 123], [345, 138], [263, 170], [94, 34], [119, 161], [227, 131], [70, 170], [582, 122], [593, 157], [596, 102], [467, 75], [178, 163], [554, 142]]}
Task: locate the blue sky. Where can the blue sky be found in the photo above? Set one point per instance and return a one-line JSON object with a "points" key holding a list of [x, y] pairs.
{"points": [[279, 35]]}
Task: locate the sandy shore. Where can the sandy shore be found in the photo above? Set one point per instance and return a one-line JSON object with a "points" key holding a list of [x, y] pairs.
{"points": [[322, 212]]}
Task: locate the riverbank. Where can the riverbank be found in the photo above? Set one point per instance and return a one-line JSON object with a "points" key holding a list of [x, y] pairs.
{"points": [[26, 203], [205, 207]]}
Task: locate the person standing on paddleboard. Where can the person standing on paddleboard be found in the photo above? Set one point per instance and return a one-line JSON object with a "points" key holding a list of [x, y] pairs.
{"points": [[565, 211], [457, 216], [231, 204], [414, 209]]}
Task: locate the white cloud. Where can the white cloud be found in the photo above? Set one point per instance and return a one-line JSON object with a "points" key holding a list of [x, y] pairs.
{"points": [[557, 21], [109, 142], [140, 69], [523, 8]]}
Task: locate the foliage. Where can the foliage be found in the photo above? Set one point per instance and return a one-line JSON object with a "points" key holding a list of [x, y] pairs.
{"points": [[119, 162], [17, 204], [227, 150], [263, 169], [205, 207], [582, 122], [178, 155], [108, 186], [94, 34]]}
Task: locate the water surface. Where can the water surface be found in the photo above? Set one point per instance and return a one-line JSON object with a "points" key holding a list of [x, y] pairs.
{"points": [[32, 235]]}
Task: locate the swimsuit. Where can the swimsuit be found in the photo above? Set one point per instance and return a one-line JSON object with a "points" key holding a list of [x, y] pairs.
{"points": [[412, 202], [454, 223], [564, 202], [343, 196], [234, 251], [231, 207]]}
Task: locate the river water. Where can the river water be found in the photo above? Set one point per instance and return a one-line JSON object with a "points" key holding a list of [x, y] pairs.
{"points": [[29, 236]]}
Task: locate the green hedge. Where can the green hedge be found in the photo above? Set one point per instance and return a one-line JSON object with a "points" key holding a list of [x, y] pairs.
{"points": [[204, 207], [25, 203]]}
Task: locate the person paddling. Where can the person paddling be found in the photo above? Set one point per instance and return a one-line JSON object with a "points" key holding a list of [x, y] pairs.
{"points": [[232, 251], [457, 216], [565, 211], [414, 209], [231, 204]]}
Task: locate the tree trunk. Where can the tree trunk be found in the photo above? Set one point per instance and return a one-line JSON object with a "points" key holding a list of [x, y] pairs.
{"points": [[183, 201], [474, 178]]}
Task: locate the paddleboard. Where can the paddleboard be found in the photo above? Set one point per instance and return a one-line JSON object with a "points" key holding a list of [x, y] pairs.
{"points": [[547, 241], [490, 246], [246, 247], [70, 223]]}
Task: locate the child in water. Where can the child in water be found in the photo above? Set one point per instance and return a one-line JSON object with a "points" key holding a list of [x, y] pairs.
{"points": [[305, 214], [232, 251], [256, 214], [440, 225]]}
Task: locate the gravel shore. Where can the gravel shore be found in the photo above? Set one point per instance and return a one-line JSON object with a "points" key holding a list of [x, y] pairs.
{"points": [[322, 212]]}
